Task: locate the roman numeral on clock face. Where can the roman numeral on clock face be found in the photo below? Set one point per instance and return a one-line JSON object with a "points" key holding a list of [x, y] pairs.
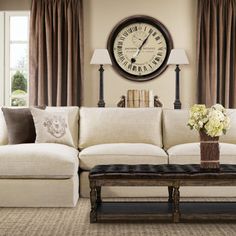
{"points": [[154, 34], [120, 53], [150, 31], [125, 34], [125, 63], [122, 58]]}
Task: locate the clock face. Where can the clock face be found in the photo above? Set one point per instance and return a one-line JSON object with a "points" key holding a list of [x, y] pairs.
{"points": [[139, 47]]}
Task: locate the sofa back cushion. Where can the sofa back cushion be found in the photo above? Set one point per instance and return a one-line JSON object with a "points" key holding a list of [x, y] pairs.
{"points": [[120, 125], [3, 130], [175, 129], [230, 136]]}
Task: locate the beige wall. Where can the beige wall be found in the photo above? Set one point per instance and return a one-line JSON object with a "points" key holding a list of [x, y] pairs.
{"points": [[179, 16], [12, 5], [100, 16]]}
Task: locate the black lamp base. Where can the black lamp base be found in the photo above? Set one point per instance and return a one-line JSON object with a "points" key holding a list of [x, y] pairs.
{"points": [[177, 104], [101, 103]]}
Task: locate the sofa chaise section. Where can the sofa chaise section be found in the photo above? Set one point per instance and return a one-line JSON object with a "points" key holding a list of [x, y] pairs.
{"points": [[38, 175]]}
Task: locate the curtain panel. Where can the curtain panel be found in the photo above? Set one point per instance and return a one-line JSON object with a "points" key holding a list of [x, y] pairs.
{"points": [[216, 52], [56, 52]]}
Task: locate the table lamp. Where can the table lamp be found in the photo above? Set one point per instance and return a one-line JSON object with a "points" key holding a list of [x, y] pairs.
{"points": [[177, 57], [101, 57]]}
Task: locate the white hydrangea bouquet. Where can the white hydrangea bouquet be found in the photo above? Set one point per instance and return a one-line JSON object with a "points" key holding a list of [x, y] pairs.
{"points": [[211, 123]]}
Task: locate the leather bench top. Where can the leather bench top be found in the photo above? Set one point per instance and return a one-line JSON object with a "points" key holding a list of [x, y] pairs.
{"points": [[171, 170]]}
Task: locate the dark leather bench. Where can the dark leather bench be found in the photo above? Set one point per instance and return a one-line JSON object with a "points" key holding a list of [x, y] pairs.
{"points": [[173, 176]]}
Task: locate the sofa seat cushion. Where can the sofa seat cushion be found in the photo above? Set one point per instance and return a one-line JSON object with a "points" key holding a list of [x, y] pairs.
{"points": [[189, 153], [121, 153], [45, 160]]}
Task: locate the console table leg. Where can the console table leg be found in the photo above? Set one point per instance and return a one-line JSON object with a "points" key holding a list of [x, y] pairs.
{"points": [[99, 199], [176, 211], [93, 200], [170, 190]]}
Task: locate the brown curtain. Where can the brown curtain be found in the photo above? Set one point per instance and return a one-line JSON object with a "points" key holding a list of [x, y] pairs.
{"points": [[216, 52], [56, 52]]}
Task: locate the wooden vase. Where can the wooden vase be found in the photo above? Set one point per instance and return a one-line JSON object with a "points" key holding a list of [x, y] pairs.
{"points": [[210, 152]]}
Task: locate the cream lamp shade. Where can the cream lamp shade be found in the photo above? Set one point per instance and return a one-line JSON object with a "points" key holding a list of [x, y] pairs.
{"points": [[177, 57], [100, 57]]}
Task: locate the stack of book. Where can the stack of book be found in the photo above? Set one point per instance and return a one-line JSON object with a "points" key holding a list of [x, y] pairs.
{"points": [[140, 98]]}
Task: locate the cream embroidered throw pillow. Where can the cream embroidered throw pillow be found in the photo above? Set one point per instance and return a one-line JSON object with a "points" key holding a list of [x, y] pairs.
{"points": [[73, 120], [51, 127]]}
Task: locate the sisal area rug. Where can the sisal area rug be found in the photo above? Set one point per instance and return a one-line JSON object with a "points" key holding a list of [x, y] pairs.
{"points": [[75, 221]]}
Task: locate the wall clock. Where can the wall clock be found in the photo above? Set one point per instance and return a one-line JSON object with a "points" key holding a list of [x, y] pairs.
{"points": [[139, 47]]}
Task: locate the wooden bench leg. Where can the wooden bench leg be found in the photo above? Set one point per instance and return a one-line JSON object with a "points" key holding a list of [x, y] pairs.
{"points": [[93, 201], [176, 211], [99, 199], [170, 190]]}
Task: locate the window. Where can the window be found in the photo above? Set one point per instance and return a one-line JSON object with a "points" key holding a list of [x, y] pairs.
{"points": [[16, 58]]}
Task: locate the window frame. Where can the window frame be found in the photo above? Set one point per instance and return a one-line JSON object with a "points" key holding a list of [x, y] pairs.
{"points": [[2, 61], [6, 81]]}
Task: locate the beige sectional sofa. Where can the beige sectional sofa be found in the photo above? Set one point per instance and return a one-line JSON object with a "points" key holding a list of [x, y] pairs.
{"points": [[49, 174]]}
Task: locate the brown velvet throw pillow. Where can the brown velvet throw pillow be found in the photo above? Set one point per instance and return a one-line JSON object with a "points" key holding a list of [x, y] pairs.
{"points": [[20, 125]]}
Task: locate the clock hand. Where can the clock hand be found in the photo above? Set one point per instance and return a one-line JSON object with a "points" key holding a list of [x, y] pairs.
{"points": [[133, 60], [135, 55], [145, 40]]}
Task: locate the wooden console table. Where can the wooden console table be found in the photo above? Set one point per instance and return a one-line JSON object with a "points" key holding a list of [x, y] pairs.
{"points": [[173, 176]]}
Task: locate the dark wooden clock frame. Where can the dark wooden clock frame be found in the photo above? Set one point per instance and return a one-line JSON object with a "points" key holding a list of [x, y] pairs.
{"points": [[142, 19]]}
